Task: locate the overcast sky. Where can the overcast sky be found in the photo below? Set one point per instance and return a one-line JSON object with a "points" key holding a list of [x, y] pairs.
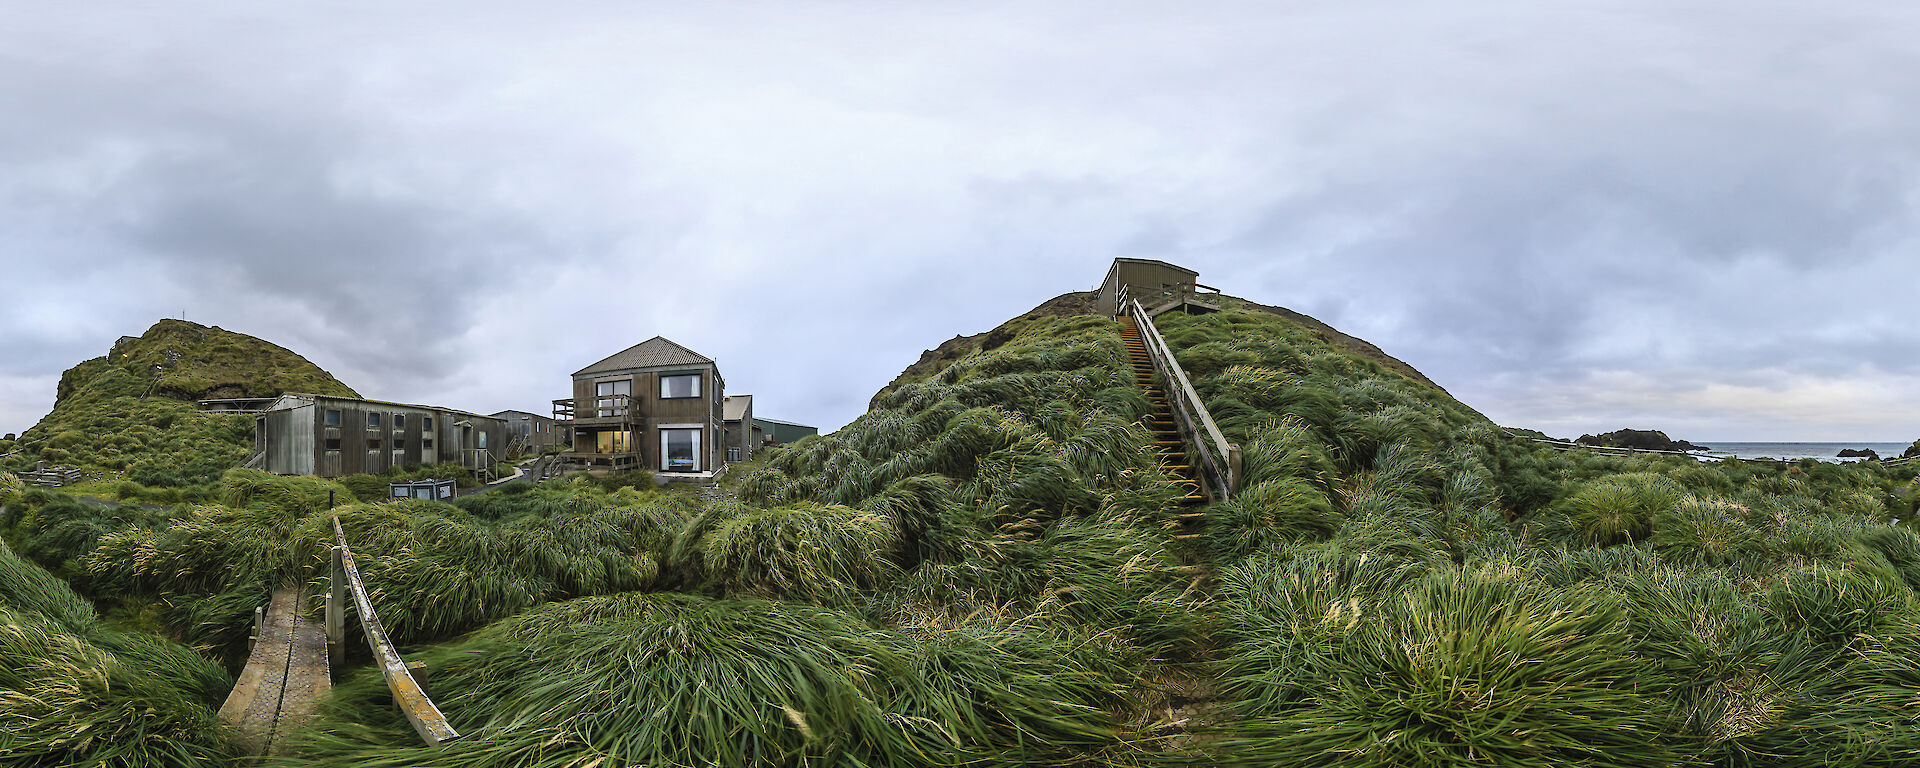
{"points": [[1701, 217]]}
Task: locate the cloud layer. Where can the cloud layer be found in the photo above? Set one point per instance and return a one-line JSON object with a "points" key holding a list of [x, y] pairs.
{"points": [[1696, 216]]}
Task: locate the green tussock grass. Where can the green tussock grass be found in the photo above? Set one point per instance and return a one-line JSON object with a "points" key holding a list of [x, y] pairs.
{"points": [[73, 692], [440, 569], [675, 679], [799, 552], [990, 568]]}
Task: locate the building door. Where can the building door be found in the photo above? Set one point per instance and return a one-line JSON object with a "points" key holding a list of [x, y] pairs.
{"points": [[680, 450]]}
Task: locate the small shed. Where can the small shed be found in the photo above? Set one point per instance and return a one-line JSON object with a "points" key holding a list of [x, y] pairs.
{"points": [[1144, 278]]}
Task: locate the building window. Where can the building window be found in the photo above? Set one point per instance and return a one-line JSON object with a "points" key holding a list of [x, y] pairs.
{"points": [[613, 441], [333, 443], [399, 421], [399, 444], [373, 421], [426, 446], [483, 440], [426, 423], [733, 454], [333, 417], [680, 385], [373, 444], [680, 450], [526, 431], [609, 404]]}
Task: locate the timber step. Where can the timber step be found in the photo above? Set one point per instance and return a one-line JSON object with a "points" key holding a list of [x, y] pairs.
{"points": [[1166, 443]]}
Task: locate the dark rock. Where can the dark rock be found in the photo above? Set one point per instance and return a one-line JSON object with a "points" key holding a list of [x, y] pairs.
{"points": [[1640, 439], [996, 338], [1859, 453]]}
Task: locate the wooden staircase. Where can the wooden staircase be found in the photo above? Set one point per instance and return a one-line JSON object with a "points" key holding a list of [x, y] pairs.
{"points": [[1166, 433]]}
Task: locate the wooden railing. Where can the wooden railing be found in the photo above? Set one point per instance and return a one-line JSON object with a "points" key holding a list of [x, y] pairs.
{"points": [[610, 407], [408, 694], [1217, 460], [1165, 298]]}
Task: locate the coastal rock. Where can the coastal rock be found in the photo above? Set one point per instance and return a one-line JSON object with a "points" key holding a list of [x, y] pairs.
{"points": [[1642, 439], [1859, 453]]}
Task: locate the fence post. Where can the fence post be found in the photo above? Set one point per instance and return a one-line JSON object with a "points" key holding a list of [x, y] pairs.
{"points": [[1235, 463], [337, 610]]}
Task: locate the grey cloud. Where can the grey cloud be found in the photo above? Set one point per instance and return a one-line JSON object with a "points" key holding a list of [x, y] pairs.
{"points": [[1512, 198]]}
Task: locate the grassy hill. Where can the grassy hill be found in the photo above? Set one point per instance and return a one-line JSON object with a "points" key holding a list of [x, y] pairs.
{"points": [[989, 568], [133, 409]]}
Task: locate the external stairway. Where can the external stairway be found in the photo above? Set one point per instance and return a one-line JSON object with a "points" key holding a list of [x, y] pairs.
{"points": [[1166, 433]]}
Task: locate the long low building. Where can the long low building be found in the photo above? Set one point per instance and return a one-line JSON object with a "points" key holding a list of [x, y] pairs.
{"points": [[328, 436]]}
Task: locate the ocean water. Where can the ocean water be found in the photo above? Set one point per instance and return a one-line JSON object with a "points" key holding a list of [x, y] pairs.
{"points": [[1821, 451]]}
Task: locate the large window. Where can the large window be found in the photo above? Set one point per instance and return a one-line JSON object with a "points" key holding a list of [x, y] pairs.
{"points": [[680, 450], [613, 441], [333, 417], [680, 385], [609, 404]]}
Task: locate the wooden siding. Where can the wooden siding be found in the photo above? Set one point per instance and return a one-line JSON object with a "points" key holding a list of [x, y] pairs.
{"points": [[1141, 275], [296, 439], [653, 411]]}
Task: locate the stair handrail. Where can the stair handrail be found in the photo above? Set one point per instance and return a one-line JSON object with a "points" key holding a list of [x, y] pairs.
{"points": [[1212, 447], [426, 718]]}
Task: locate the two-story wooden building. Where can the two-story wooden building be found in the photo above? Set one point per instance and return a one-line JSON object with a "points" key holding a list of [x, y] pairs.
{"points": [[328, 436], [531, 432], [655, 405]]}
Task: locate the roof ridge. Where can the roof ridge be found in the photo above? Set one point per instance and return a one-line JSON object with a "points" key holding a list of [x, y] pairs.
{"points": [[655, 352]]}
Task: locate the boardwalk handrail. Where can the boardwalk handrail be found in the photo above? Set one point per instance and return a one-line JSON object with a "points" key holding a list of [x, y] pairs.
{"points": [[1219, 459], [407, 693]]}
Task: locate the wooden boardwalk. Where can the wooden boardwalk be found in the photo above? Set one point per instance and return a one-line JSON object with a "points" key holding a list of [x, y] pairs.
{"points": [[285, 676]]}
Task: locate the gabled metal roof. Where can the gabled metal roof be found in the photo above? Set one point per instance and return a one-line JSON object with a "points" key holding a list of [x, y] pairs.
{"points": [[735, 407], [656, 352]]}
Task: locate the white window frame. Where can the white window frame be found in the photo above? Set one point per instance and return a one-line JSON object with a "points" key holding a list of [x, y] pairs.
{"points": [[696, 376], [697, 430]]}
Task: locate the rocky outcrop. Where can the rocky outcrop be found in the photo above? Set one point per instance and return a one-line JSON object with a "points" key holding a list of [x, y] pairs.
{"points": [[1640, 439], [1859, 453]]}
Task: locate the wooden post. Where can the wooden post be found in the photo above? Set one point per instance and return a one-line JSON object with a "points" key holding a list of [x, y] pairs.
{"points": [[259, 616], [419, 671], [337, 610]]}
